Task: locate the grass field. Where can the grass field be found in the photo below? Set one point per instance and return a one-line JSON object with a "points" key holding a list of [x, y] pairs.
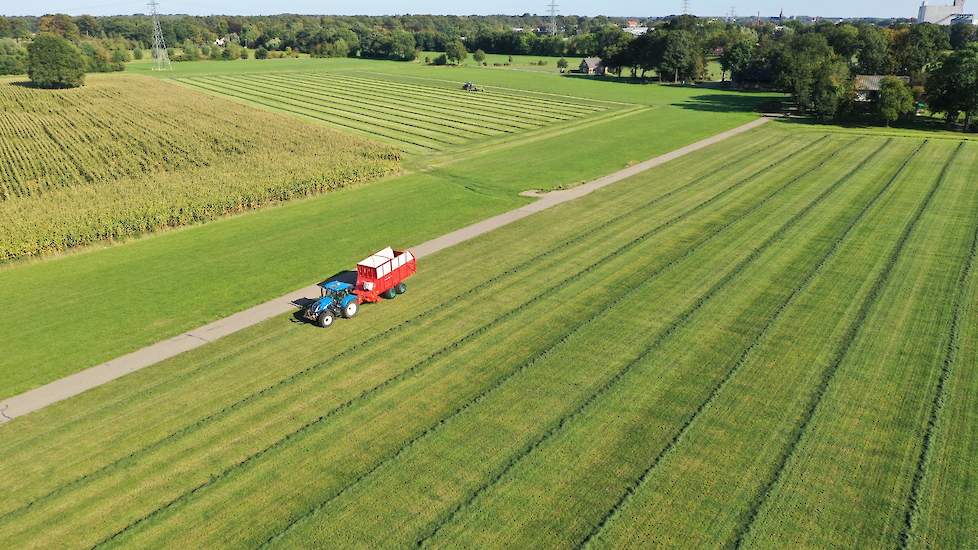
{"points": [[416, 117], [128, 155], [758, 340], [140, 292]]}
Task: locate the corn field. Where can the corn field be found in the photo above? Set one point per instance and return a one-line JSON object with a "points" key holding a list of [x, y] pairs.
{"points": [[129, 155]]}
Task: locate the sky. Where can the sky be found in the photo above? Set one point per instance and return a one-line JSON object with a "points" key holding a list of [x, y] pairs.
{"points": [[825, 8]]}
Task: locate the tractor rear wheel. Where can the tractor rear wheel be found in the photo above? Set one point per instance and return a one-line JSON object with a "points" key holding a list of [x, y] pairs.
{"points": [[390, 294], [401, 288], [350, 310], [325, 319]]}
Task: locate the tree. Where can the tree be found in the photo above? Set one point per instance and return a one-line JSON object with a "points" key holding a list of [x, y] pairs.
{"points": [[962, 34], [13, 57], [918, 47], [735, 58], [53, 62], [261, 53], [814, 74], [845, 40], [874, 56], [952, 86], [98, 59], [88, 25], [403, 46], [895, 101], [479, 56], [455, 51], [830, 85], [562, 64], [121, 56], [59, 24], [137, 54], [679, 56]]}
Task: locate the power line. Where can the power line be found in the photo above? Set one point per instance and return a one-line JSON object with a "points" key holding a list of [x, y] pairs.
{"points": [[161, 61], [553, 17]]}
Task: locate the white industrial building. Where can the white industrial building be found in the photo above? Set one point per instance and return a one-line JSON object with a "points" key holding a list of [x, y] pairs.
{"points": [[941, 15]]}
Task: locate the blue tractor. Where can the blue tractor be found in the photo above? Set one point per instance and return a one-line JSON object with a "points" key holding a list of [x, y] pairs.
{"points": [[337, 300]]}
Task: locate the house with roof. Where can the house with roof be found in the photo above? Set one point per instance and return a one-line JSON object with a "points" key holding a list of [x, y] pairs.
{"points": [[867, 86], [592, 66]]}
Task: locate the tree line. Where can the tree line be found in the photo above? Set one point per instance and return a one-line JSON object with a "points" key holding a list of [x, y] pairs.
{"points": [[816, 64]]}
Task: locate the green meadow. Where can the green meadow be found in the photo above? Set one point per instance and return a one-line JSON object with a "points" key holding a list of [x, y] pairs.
{"points": [[767, 343], [466, 156]]}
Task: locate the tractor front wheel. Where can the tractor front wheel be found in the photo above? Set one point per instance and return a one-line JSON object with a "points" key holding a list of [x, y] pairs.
{"points": [[350, 310], [325, 319], [401, 288]]}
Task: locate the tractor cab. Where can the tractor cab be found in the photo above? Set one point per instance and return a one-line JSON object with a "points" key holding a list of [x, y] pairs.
{"points": [[336, 299], [335, 289]]}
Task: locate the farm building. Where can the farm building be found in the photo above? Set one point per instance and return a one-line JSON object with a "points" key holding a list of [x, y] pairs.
{"points": [[868, 86], [592, 65]]}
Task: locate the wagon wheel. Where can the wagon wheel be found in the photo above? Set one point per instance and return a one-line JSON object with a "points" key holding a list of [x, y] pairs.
{"points": [[390, 294], [401, 288]]}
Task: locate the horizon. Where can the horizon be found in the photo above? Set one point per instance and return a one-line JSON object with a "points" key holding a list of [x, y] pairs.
{"points": [[904, 9]]}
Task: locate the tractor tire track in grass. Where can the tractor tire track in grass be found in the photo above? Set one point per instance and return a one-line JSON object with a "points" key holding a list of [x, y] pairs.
{"points": [[383, 336], [842, 352], [937, 405], [663, 336], [742, 358], [488, 326], [358, 108], [308, 113], [607, 308], [441, 138]]}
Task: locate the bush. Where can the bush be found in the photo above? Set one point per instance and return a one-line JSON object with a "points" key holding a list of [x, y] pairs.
{"points": [[441, 60], [479, 56], [261, 53], [53, 62], [98, 59], [137, 54], [13, 57], [121, 56], [244, 53]]}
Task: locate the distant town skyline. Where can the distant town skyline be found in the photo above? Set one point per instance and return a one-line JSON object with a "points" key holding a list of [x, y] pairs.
{"points": [[631, 8]]}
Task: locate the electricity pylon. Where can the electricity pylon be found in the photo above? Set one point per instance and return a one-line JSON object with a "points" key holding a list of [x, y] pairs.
{"points": [[161, 61]]}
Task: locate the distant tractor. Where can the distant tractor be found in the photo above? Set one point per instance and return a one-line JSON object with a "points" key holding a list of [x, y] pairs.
{"points": [[470, 87], [381, 275]]}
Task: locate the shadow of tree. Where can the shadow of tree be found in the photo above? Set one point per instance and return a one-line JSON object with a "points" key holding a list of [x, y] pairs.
{"points": [[729, 103]]}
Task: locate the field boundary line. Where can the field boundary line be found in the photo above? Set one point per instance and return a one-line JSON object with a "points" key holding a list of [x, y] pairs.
{"points": [[561, 245], [448, 348], [940, 398], [848, 339], [531, 361], [677, 437], [98, 375]]}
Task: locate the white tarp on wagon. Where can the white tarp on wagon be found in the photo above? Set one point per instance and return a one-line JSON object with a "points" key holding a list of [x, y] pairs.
{"points": [[379, 258]]}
